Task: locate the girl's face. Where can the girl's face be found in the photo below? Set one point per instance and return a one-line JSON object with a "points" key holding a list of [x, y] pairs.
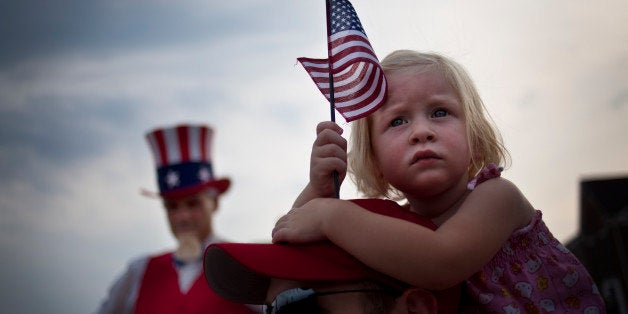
{"points": [[419, 136]]}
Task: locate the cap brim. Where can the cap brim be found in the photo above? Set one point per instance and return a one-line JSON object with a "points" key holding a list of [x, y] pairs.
{"points": [[241, 272]]}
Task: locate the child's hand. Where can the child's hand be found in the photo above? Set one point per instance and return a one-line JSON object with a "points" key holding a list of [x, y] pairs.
{"points": [[329, 154], [302, 224]]}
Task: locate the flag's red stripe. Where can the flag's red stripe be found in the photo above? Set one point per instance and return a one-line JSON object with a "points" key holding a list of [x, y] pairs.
{"points": [[338, 88], [373, 96], [367, 84], [352, 39], [342, 104], [367, 107], [339, 79]]}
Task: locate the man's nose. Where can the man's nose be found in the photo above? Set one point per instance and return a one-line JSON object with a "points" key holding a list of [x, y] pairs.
{"points": [[182, 212]]}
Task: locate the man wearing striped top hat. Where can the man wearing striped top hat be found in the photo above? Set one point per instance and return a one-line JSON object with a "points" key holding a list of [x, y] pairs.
{"points": [[174, 282]]}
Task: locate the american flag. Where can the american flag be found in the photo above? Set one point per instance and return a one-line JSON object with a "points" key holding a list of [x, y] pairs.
{"points": [[359, 85]]}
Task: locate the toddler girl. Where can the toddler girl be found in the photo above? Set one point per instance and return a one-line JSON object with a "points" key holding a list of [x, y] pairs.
{"points": [[432, 144]]}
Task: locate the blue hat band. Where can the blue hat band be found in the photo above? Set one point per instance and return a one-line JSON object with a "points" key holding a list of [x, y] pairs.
{"points": [[184, 175]]}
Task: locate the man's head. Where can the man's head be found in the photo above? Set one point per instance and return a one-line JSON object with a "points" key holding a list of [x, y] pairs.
{"points": [[191, 215], [260, 273], [186, 180]]}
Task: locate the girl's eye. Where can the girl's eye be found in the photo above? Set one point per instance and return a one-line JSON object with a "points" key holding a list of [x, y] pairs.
{"points": [[397, 122], [439, 113]]}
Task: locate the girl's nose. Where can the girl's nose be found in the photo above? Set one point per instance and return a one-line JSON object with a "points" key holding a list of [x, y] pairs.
{"points": [[421, 133]]}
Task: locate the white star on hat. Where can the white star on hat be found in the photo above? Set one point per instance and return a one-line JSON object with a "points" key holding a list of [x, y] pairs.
{"points": [[203, 174], [172, 178]]}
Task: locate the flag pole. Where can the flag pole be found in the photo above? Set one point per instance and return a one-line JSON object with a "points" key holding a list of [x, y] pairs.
{"points": [[332, 104]]}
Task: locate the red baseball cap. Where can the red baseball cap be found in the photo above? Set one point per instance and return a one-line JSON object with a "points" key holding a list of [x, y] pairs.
{"points": [[241, 272]]}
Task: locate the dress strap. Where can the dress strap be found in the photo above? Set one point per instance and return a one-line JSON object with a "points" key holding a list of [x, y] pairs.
{"points": [[489, 172]]}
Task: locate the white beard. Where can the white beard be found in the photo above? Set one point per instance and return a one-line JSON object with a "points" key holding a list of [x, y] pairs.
{"points": [[189, 249]]}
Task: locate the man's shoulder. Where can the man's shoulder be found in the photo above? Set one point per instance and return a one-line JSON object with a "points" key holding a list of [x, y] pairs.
{"points": [[140, 261]]}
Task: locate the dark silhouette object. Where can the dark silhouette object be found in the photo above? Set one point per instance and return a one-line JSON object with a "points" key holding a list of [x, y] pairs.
{"points": [[602, 243]]}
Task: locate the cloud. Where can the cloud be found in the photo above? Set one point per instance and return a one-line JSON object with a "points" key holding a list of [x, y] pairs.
{"points": [[73, 152], [100, 27], [82, 81]]}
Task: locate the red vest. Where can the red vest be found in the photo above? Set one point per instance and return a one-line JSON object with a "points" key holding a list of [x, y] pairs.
{"points": [[159, 292]]}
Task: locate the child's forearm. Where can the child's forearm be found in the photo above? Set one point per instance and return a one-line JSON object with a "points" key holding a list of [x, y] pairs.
{"points": [[425, 258], [400, 249], [305, 196]]}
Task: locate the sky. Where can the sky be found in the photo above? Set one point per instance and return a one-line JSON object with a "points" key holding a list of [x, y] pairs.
{"points": [[82, 81]]}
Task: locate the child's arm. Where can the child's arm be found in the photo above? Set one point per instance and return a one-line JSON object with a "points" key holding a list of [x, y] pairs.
{"points": [[409, 252], [329, 154]]}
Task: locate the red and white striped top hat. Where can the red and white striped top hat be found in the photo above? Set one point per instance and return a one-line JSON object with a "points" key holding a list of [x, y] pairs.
{"points": [[182, 155]]}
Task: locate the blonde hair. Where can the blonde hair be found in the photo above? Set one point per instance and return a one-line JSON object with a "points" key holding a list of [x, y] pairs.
{"points": [[483, 137]]}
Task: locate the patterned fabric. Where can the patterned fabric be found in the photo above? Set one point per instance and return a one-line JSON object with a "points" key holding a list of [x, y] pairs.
{"points": [[532, 273], [491, 171]]}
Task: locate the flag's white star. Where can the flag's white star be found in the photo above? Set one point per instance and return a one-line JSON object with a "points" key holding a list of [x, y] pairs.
{"points": [[172, 178]]}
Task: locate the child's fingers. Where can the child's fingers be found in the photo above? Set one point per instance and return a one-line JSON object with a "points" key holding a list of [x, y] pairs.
{"points": [[284, 235], [326, 147], [328, 163], [329, 150], [277, 236], [322, 170], [280, 235], [328, 136], [281, 222], [328, 125]]}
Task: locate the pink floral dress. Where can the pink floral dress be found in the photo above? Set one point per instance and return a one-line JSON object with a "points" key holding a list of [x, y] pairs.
{"points": [[532, 273]]}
